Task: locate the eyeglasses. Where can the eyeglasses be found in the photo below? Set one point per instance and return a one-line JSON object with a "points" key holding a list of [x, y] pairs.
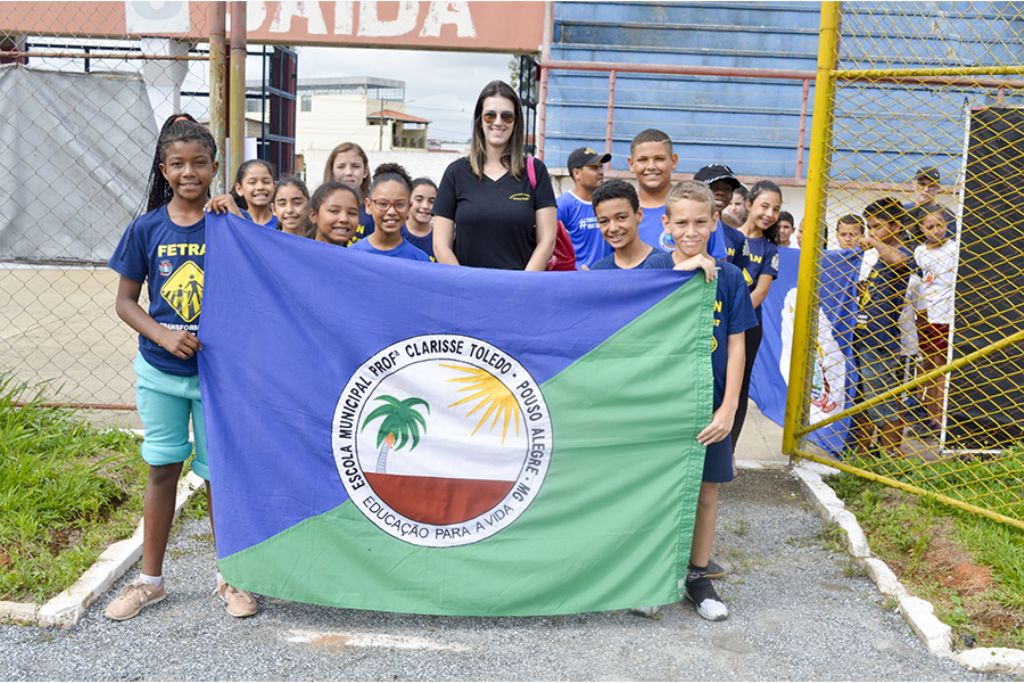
{"points": [[506, 116], [383, 204]]}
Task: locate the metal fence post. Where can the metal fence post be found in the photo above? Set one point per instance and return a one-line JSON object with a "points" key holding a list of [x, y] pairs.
{"points": [[806, 299], [217, 73], [236, 102]]}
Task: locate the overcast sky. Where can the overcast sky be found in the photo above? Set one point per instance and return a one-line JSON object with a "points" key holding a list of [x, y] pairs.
{"points": [[440, 86]]}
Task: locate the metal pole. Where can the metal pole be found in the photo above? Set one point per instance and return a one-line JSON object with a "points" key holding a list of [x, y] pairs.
{"points": [[611, 113], [806, 296], [542, 112], [380, 122], [218, 66], [236, 96], [545, 55], [803, 130]]}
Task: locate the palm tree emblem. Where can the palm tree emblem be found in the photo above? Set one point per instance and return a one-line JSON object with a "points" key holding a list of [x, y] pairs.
{"points": [[400, 423]]}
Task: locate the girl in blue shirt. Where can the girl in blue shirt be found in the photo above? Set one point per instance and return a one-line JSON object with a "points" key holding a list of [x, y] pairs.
{"points": [[761, 252], [165, 249], [388, 203], [254, 190]]}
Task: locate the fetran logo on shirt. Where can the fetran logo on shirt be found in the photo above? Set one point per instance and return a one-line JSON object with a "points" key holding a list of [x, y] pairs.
{"points": [[183, 291], [520, 197]]}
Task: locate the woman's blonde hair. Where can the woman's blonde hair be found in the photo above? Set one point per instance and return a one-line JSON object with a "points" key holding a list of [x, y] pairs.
{"points": [[513, 157]]}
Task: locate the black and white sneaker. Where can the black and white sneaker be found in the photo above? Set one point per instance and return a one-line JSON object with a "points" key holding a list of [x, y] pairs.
{"points": [[715, 570], [701, 592]]}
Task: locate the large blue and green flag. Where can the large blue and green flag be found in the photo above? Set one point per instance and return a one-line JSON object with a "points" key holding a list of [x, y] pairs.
{"points": [[409, 437]]}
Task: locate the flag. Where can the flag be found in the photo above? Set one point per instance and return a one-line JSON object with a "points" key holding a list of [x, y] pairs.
{"points": [[834, 372], [411, 437]]}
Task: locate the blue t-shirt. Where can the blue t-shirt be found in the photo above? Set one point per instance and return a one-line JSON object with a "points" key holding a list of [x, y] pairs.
{"points": [[580, 222], [652, 230], [273, 223], [169, 258], [734, 242], [424, 244], [883, 296], [364, 229], [733, 314], [403, 250], [608, 262], [762, 258]]}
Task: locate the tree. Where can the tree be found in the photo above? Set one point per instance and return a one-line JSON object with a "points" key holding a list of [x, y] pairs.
{"points": [[400, 425]]}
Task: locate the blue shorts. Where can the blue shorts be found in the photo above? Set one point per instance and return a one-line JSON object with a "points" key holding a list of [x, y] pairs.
{"points": [[165, 404], [719, 464], [879, 371]]}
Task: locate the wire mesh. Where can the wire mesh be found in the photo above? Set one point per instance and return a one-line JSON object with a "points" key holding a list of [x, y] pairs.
{"points": [[923, 184], [81, 116]]}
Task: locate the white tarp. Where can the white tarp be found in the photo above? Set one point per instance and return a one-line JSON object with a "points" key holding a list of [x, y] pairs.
{"points": [[75, 154]]}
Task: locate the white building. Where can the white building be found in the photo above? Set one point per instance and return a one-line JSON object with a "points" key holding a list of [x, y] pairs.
{"points": [[366, 110]]}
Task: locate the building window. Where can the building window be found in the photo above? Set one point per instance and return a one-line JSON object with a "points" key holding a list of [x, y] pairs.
{"points": [[306, 103], [252, 106]]}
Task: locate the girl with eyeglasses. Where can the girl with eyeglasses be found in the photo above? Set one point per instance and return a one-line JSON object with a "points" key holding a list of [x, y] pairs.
{"points": [[388, 202], [490, 211]]}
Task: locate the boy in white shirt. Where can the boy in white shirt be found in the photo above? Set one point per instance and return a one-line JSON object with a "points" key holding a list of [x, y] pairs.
{"points": [[937, 262]]}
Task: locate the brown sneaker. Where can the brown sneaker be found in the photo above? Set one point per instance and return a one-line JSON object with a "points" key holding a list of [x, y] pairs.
{"points": [[239, 603], [133, 599]]}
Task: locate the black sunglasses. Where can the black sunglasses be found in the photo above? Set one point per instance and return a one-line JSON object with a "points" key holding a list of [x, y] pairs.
{"points": [[506, 116]]}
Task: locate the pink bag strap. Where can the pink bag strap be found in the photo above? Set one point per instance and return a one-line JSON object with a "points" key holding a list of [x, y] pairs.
{"points": [[531, 172]]}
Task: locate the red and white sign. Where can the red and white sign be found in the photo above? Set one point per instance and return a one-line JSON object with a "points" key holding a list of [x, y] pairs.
{"points": [[478, 26]]}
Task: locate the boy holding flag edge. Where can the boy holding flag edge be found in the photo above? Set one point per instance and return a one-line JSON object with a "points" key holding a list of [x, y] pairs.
{"points": [[690, 217]]}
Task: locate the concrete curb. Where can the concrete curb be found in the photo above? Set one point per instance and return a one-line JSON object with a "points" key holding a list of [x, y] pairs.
{"points": [[919, 614], [68, 607], [762, 464]]}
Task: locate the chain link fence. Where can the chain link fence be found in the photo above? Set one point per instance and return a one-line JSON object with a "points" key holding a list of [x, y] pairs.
{"points": [[82, 104], [916, 169]]}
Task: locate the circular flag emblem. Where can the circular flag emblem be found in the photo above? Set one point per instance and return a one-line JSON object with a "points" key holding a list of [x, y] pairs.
{"points": [[441, 440], [666, 242]]}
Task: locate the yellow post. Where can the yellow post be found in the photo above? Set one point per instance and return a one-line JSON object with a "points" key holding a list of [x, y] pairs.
{"points": [[806, 296]]}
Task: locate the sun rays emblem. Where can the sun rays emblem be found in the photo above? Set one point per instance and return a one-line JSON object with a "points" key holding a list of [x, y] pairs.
{"points": [[488, 391]]}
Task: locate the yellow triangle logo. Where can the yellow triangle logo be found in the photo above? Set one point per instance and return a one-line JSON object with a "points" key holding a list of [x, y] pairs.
{"points": [[183, 291]]}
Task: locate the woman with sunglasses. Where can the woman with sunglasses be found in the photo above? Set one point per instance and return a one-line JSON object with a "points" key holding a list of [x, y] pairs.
{"points": [[489, 213]]}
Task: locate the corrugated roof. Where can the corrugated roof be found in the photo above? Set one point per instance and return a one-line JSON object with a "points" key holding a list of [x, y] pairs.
{"points": [[396, 116]]}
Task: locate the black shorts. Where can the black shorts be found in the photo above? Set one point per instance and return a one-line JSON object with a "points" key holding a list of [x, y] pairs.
{"points": [[719, 465]]}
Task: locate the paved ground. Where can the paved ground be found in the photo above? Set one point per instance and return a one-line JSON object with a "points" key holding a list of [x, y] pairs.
{"points": [[799, 611]]}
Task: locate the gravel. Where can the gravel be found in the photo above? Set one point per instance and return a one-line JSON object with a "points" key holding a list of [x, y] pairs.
{"points": [[799, 611]]}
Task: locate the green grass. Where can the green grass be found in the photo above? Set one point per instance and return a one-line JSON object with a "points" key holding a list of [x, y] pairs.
{"points": [[901, 529], [67, 490], [992, 483]]}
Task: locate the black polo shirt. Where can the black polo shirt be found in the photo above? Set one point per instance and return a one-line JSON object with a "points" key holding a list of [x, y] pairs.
{"points": [[494, 219]]}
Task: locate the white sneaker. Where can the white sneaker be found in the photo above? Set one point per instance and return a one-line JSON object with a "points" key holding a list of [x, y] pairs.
{"points": [[701, 592]]}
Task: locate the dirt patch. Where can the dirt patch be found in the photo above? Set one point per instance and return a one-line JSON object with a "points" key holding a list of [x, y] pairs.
{"points": [[941, 570], [952, 564], [330, 643]]}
